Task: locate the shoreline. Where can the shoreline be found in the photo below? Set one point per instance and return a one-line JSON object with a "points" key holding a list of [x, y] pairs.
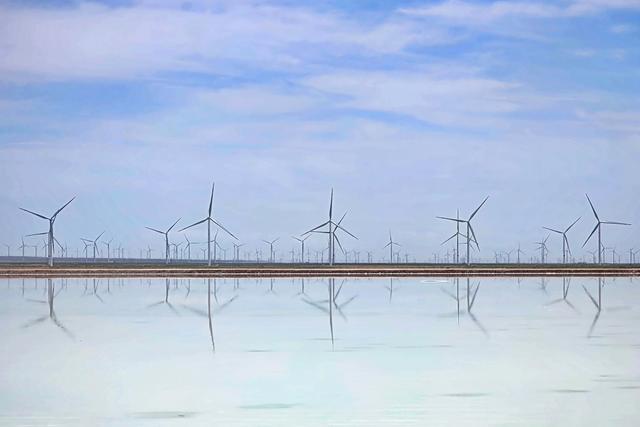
{"points": [[242, 270]]}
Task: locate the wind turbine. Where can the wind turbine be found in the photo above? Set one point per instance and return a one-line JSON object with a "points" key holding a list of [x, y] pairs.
{"points": [[518, 252], [188, 246], [51, 220], [302, 245], [209, 219], [598, 227], [565, 241], [86, 243], [236, 250], [94, 243], [390, 245], [457, 235], [271, 254], [333, 227], [108, 245], [470, 232], [22, 246], [543, 248], [166, 239]]}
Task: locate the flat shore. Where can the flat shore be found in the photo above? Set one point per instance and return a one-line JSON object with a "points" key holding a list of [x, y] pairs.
{"points": [[258, 270]]}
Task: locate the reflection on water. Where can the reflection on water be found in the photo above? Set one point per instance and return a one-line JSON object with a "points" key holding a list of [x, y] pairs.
{"points": [[458, 351]]}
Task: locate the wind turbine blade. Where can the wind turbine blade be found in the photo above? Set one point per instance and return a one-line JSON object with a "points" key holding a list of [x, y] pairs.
{"points": [[174, 224], [293, 237], [193, 225], [591, 298], [315, 228], [59, 245], [450, 219], [594, 230], [65, 205], [194, 310], [33, 213], [348, 301], [99, 236], [551, 229], [37, 234], [615, 223], [341, 218], [593, 324], [213, 186], [449, 293], [454, 235], [153, 229], [275, 240], [346, 231], [478, 208], [316, 305], [592, 208], [221, 226], [566, 241], [386, 245], [331, 204], [572, 224], [338, 241], [474, 236]]}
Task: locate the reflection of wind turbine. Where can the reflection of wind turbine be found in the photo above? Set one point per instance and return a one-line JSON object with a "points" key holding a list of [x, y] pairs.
{"points": [[470, 301], [51, 294], [565, 241], [390, 245], [332, 304], [597, 303], [51, 220], [598, 227], [209, 312], [166, 239], [566, 283], [209, 219]]}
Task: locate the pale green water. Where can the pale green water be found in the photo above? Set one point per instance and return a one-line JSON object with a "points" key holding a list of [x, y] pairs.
{"points": [[126, 357]]}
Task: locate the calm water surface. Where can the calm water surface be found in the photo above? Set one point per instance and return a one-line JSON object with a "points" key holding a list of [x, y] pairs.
{"points": [[405, 352]]}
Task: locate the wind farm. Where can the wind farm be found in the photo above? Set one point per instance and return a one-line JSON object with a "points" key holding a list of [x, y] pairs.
{"points": [[295, 262]]}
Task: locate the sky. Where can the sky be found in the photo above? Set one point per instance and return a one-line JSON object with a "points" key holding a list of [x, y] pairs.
{"points": [[407, 109]]}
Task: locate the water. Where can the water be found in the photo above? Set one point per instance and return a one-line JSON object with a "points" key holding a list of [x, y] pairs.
{"points": [[140, 352]]}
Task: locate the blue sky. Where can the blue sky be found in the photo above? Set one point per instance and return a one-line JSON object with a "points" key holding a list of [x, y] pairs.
{"points": [[408, 109]]}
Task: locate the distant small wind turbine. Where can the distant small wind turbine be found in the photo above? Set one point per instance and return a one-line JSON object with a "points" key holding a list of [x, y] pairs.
{"points": [[166, 239], [390, 246]]}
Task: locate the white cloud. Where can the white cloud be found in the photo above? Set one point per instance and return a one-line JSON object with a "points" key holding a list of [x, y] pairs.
{"points": [[462, 101], [471, 14], [466, 12], [623, 29], [92, 41]]}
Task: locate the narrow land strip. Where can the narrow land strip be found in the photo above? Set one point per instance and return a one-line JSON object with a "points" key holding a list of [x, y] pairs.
{"points": [[314, 270]]}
